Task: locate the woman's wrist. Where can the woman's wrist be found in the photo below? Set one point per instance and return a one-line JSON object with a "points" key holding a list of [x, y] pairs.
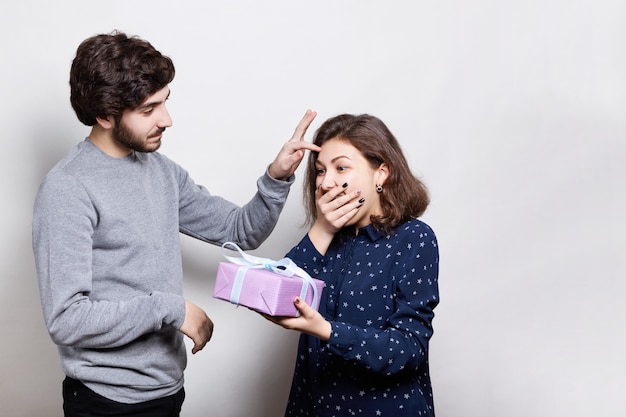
{"points": [[325, 331], [320, 238]]}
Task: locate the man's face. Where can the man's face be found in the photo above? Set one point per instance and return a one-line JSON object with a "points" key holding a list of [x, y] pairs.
{"points": [[141, 129]]}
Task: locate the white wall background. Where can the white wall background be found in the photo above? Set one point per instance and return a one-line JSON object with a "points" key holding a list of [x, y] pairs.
{"points": [[514, 113]]}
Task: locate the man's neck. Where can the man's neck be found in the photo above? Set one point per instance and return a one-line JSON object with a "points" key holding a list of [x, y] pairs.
{"points": [[103, 139]]}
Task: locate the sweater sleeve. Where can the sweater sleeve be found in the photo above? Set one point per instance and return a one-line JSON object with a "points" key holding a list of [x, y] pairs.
{"points": [[216, 220], [63, 226]]}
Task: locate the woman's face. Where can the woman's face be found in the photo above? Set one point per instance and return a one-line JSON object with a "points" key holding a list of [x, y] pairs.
{"points": [[340, 163]]}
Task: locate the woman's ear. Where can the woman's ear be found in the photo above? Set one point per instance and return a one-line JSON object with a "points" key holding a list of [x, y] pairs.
{"points": [[105, 123], [382, 173]]}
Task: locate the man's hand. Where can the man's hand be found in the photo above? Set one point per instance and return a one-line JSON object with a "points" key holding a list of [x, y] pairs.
{"points": [[292, 152], [197, 326]]}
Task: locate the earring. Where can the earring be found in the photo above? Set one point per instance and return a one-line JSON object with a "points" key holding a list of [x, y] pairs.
{"points": [[379, 188]]}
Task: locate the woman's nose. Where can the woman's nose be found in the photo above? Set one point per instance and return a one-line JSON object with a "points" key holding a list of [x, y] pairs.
{"points": [[327, 183]]}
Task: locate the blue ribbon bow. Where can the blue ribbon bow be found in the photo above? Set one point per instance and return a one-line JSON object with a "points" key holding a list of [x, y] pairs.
{"points": [[285, 267]]}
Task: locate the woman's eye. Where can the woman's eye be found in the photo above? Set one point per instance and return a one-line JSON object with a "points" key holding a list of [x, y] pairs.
{"points": [[320, 171], [341, 168]]}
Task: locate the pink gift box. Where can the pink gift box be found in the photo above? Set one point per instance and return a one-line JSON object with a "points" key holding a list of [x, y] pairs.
{"points": [[263, 290]]}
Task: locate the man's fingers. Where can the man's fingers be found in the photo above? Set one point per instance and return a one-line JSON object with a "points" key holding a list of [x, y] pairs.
{"points": [[303, 125], [199, 344]]}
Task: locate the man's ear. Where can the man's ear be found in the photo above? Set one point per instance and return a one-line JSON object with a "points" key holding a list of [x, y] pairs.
{"points": [[106, 123]]}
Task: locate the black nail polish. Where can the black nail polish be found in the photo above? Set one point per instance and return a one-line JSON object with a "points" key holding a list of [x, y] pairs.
{"points": [[345, 184], [361, 200]]}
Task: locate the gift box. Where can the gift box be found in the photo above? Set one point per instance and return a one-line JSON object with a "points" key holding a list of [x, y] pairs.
{"points": [[265, 285]]}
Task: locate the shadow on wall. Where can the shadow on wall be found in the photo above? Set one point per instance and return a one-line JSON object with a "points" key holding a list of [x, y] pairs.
{"points": [[29, 356]]}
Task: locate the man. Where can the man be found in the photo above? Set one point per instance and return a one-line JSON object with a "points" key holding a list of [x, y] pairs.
{"points": [[106, 229]]}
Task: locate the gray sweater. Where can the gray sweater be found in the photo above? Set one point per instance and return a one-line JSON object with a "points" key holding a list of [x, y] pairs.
{"points": [[107, 250]]}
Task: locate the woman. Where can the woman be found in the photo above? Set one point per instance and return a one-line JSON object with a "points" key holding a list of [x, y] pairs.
{"points": [[365, 353]]}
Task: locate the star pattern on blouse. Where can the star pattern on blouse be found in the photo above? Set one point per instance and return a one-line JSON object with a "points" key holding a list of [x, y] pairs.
{"points": [[379, 295]]}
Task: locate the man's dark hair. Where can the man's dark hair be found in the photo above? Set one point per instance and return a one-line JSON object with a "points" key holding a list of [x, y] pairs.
{"points": [[115, 72]]}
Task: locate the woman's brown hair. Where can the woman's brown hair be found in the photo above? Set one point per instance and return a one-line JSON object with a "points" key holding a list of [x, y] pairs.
{"points": [[404, 196]]}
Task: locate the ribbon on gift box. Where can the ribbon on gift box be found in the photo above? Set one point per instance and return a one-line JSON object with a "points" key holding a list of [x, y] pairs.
{"points": [[284, 266]]}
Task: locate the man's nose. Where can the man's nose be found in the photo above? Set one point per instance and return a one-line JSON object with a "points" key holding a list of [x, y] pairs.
{"points": [[165, 120]]}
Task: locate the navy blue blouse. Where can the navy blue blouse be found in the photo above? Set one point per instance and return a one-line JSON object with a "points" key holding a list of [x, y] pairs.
{"points": [[379, 298]]}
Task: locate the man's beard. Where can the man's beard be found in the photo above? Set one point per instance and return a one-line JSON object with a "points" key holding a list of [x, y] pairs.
{"points": [[126, 137]]}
